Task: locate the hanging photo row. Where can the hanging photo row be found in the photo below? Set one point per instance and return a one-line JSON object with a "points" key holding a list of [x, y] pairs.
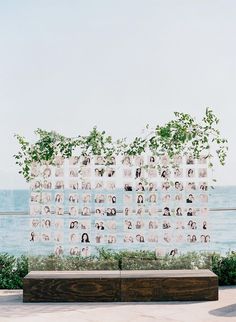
{"points": [[141, 202]]}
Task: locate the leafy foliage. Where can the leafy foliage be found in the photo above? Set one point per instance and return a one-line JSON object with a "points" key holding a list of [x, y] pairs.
{"points": [[181, 135]]}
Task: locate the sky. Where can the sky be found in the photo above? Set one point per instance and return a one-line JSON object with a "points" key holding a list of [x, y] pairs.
{"points": [[71, 65]]}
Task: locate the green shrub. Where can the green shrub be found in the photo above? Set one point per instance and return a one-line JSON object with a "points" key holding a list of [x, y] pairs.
{"points": [[225, 268]]}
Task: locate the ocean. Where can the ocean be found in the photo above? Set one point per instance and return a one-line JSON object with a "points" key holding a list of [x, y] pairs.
{"points": [[15, 230]]}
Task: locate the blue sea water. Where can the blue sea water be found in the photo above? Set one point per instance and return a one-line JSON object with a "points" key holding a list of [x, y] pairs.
{"points": [[14, 220]]}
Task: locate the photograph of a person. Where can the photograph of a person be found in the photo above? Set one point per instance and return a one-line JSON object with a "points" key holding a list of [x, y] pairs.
{"points": [[190, 198], [85, 211], [46, 184], [99, 225], [59, 197], [166, 198], [85, 238], [59, 172], [152, 160], [203, 198], [190, 160], [127, 161], [86, 198], [166, 186], [178, 186], [73, 172], [59, 211], [152, 186], [140, 186], [152, 224], [152, 211], [166, 224], [152, 172], [139, 198], [179, 212], [178, 173], [191, 186], [86, 172], [110, 185], [138, 173], [190, 173], [99, 172], [152, 198], [73, 211], [165, 173], [46, 210], [128, 224], [203, 159], [73, 185], [46, 223], [128, 186], [111, 199], [99, 160], [85, 160], [139, 161], [191, 212], [47, 172], [127, 172], [164, 160], [73, 198], [46, 197], [74, 160], [202, 173], [178, 159], [59, 161], [128, 199], [111, 239], [59, 184], [111, 160], [203, 186], [110, 172]]}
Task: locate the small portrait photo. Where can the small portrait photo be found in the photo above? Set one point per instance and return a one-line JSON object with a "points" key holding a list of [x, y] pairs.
{"points": [[35, 223], [111, 199], [180, 224], [139, 161], [36, 185], [140, 198], [165, 173], [59, 172], [59, 223], [73, 161], [191, 211], [178, 159], [85, 224], [46, 210], [111, 211], [99, 211], [46, 223], [167, 237], [99, 225], [45, 236], [86, 198], [73, 172], [178, 186], [127, 161], [164, 160], [178, 197], [128, 186], [203, 198], [140, 211], [173, 252], [73, 211], [85, 251], [111, 239], [46, 197], [152, 160], [152, 198], [35, 197], [139, 224], [111, 160], [110, 172], [139, 238], [152, 186], [85, 160], [58, 161], [85, 238], [166, 224], [128, 239], [152, 172], [166, 211], [47, 184], [128, 224], [204, 211], [74, 224], [190, 159], [47, 172], [178, 211], [100, 198], [73, 185], [59, 184], [34, 236], [73, 238], [190, 173], [34, 171], [111, 185], [99, 160], [192, 224], [127, 172], [74, 251], [59, 197], [58, 236], [166, 198], [193, 239], [203, 159], [73, 198], [190, 198], [99, 172], [203, 186], [152, 238], [138, 173], [128, 198], [111, 225], [202, 173], [140, 186], [85, 172], [59, 211], [204, 225], [85, 211], [86, 185], [99, 185], [35, 210], [178, 173], [152, 211], [127, 211], [191, 186], [165, 186], [152, 224]]}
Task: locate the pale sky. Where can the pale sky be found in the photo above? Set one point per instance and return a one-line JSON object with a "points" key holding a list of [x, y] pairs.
{"points": [[70, 65]]}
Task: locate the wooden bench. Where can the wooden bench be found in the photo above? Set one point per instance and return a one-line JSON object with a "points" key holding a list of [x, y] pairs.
{"points": [[116, 286]]}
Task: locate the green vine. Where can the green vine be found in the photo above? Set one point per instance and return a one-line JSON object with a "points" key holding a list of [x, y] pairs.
{"points": [[181, 135]]}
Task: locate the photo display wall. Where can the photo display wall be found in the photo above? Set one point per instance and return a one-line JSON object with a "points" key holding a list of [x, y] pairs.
{"points": [[127, 203]]}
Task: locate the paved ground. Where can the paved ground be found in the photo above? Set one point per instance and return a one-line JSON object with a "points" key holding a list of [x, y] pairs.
{"points": [[12, 309]]}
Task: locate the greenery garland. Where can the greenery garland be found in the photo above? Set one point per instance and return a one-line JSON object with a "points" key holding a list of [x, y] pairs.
{"points": [[181, 135]]}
